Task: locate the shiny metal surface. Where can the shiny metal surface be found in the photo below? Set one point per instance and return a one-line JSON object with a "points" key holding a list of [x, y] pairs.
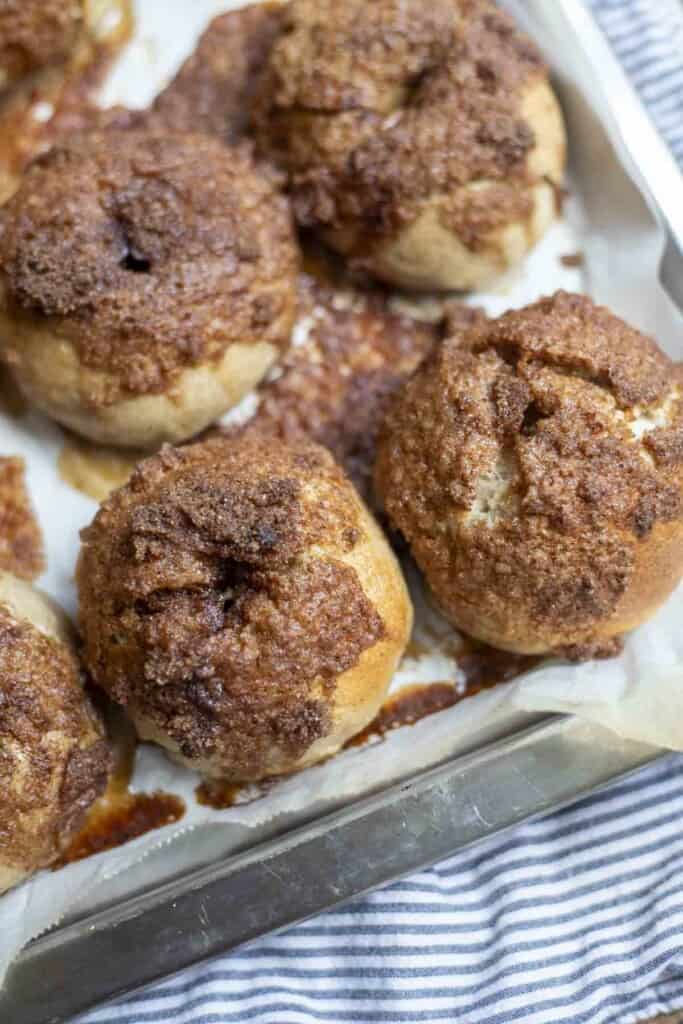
{"points": [[572, 39], [644, 151], [412, 824], [315, 867]]}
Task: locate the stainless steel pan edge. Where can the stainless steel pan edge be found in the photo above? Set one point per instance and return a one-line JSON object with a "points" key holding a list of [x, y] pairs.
{"points": [[563, 26], [642, 148], [410, 825], [288, 879]]}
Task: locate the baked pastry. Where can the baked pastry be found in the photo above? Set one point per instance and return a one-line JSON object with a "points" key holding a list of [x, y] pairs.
{"points": [[213, 89], [37, 33], [535, 467], [423, 141], [241, 603], [147, 282], [54, 758]]}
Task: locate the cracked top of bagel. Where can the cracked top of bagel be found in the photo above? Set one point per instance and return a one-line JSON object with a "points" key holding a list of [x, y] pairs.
{"points": [[535, 465]]}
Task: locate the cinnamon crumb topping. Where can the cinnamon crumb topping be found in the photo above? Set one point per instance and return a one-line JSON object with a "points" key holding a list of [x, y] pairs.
{"points": [[213, 89], [213, 603], [54, 759], [150, 253], [21, 541], [374, 107], [527, 460]]}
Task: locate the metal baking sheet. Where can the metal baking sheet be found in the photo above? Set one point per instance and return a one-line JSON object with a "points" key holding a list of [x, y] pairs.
{"points": [[277, 880], [287, 879]]}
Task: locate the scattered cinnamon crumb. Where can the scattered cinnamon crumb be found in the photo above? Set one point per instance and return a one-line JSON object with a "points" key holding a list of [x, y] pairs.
{"points": [[217, 794], [561, 196], [573, 259], [21, 541]]}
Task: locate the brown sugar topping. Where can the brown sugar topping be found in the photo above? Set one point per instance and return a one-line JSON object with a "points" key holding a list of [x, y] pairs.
{"points": [[570, 334], [212, 91], [54, 759], [534, 430], [21, 540], [204, 607], [425, 98], [34, 33], [150, 253]]}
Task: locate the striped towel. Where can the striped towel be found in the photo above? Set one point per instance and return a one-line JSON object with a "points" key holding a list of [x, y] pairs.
{"points": [[576, 918]]}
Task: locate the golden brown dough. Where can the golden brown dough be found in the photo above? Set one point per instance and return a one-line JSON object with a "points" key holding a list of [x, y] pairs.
{"points": [[54, 758], [242, 604], [147, 282], [423, 141], [536, 469]]}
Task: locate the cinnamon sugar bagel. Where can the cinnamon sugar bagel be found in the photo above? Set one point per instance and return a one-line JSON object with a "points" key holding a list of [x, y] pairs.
{"points": [[536, 469], [54, 758], [423, 141], [242, 604], [147, 282]]}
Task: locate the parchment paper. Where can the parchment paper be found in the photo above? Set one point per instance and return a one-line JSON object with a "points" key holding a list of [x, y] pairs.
{"points": [[640, 694]]}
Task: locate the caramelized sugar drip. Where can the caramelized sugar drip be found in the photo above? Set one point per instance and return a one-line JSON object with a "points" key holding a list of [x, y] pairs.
{"points": [[119, 815], [484, 667], [21, 540], [131, 816], [407, 706], [124, 743], [481, 668], [217, 794], [93, 469], [12, 402]]}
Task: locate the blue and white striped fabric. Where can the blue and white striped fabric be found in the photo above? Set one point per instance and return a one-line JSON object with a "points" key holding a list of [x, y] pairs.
{"points": [[647, 35], [575, 919]]}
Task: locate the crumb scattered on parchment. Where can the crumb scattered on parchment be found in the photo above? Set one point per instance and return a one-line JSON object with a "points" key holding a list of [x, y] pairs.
{"points": [[573, 259], [93, 469], [21, 541]]}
